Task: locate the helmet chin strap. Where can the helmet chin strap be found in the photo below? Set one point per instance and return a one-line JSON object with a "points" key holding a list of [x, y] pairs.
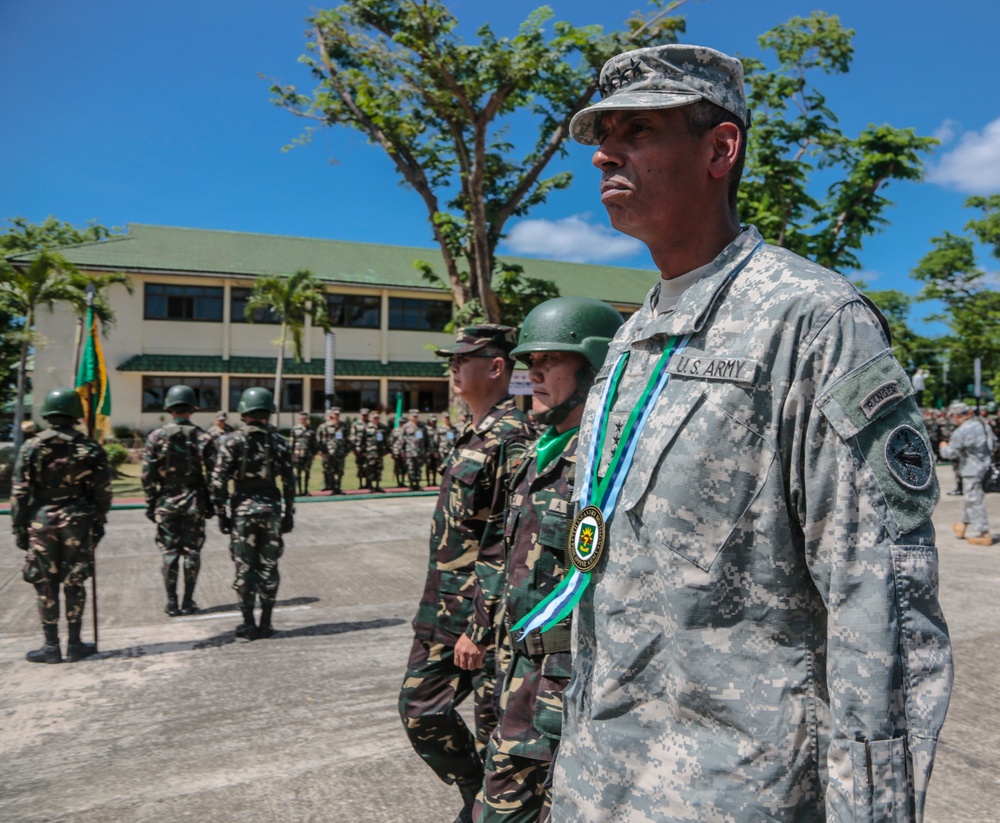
{"points": [[556, 415]]}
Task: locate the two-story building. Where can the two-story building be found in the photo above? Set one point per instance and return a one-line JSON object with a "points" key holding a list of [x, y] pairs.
{"points": [[184, 321]]}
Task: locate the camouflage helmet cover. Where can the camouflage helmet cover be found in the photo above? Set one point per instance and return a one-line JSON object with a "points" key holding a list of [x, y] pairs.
{"points": [[65, 402]]}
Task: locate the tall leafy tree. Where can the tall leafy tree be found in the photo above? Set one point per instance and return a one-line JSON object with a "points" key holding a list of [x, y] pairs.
{"points": [[952, 274], [41, 277], [292, 299], [397, 71], [796, 135]]}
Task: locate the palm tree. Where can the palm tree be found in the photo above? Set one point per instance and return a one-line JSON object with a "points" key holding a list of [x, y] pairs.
{"points": [[46, 280], [292, 299]]}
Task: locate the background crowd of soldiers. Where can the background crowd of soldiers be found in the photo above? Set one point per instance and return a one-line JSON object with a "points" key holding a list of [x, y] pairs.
{"points": [[940, 427]]}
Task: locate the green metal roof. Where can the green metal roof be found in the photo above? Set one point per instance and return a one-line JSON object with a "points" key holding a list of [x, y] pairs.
{"points": [[206, 364], [199, 251]]}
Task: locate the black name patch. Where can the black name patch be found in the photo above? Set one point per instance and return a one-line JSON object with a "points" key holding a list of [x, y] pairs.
{"points": [[733, 369]]}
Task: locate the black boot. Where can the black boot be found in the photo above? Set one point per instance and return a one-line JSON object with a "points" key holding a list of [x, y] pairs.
{"points": [[469, 792], [188, 606], [265, 629], [171, 608], [76, 649], [247, 629], [49, 653]]}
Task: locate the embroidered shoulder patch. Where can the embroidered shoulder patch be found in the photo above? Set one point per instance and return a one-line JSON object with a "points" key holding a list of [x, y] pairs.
{"points": [[908, 458]]}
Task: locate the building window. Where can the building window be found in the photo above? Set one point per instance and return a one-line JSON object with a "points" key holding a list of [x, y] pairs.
{"points": [[207, 391], [350, 395], [430, 396], [237, 309], [291, 390], [165, 301], [354, 311], [408, 314]]}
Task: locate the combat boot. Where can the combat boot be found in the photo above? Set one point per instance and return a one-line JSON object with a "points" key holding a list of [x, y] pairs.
{"points": [[265, 629], [188, 606], [469, 792], [49, 653], [959, 529], [247, 629], [982, 540], [171, 608], [76, 649]]}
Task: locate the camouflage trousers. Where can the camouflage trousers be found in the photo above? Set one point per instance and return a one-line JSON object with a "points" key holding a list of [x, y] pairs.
{"points": [[59, 555], [975, 507], [373, 470], [516, 789], [361, 461], [302, 468], [413, 467], [432, 690], [255, 545], [333, 471], [180, 535]]}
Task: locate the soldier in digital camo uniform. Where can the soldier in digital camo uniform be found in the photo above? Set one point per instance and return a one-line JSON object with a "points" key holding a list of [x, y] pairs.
{"points": [[254, 459], [303, 443], [176, 467], [59, 503], [563, 342], [760, 636], [472, 492], [971, 448], [332, 442]]}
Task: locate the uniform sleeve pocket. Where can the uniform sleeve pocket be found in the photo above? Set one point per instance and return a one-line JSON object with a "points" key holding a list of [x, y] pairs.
{"points": [[879, 775]]}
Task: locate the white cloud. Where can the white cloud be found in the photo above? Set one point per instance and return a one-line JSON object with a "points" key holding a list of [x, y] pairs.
{"points": [[973, 165], [947, 130], [571, 239]]}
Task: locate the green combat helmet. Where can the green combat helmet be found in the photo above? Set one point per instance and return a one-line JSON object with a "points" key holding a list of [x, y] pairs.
{"points": [[64, 403], [581, 325], [180, 396], [256, 399]]}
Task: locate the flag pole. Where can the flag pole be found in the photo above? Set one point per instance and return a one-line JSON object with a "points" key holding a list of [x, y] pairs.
{"points": [[91, 428]]}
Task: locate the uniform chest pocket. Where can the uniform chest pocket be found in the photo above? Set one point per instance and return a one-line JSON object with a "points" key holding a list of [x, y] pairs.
{"points": [[711, 469]]}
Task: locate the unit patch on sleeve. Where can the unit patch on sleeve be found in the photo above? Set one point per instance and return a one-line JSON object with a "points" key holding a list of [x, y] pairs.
{"points": [[908, 458]]}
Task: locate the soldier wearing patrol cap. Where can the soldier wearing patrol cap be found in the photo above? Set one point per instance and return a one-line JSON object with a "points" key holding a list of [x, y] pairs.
{"points": [[758, 634], [359, 430], [303, 443], [59, 503], [176, 467], [220, 429], [471, 495], [433, 459], [563, 342], [413, 447], [254, 459], [970, 446], [332, 442]]}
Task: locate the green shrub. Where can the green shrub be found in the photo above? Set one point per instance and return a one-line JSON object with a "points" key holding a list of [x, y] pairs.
{"points": [[117, 454]]}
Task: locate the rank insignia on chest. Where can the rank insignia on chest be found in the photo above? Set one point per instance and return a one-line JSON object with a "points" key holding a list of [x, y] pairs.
{"points": [[586, 538]]}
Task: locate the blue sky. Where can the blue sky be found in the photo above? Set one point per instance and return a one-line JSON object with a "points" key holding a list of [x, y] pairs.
{"points": [[136, 112]]}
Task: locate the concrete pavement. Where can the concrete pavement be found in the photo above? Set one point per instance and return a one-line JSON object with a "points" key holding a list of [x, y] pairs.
{"points": [[176, 720]]}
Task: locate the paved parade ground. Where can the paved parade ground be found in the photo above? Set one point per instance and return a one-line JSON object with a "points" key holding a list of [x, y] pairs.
{"points": [[176, 720]]}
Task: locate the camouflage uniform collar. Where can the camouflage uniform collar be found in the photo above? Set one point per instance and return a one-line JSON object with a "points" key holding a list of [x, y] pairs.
{"points": [[694, 306], [493, 416]]}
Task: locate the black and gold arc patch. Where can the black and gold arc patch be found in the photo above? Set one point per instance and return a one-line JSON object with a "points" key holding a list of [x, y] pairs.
{"points": [[908, 458]]}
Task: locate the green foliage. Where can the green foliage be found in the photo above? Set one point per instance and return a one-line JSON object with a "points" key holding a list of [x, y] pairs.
{"points": [[951, 274], [397, 71], [795, 135], [117, 455], [910, 348]]}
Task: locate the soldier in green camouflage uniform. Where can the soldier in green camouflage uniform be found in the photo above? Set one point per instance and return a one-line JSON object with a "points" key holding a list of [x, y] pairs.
{"points": [[433, 460], [413, 447], [375, 445], [396, 450], [472, 492], [563, 342], [760, 637], [447, 435], [220, 429], [303, 443], [176, 467], [358, 428], [332, 442], [254, 459], [60, 499]]}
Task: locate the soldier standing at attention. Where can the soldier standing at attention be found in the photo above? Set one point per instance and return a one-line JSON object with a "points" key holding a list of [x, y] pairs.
{"points": [[758, 634], [413, 448], [176, 467], [254, 459], [332, 443], [396, 450], [358, 429], [433, 460], [563, 342], [220, 429], [59, 503], [303, 452], [447, 436], [376, 444], [971, 448], [472, 492]]}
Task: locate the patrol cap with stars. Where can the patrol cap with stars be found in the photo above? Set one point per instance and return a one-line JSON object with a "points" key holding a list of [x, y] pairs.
{"points": [[472, 338], [959, 408], [664, 77]]}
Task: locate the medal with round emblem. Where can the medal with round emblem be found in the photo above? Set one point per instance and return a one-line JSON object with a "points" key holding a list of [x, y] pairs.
{"points": [[586, 538]]}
